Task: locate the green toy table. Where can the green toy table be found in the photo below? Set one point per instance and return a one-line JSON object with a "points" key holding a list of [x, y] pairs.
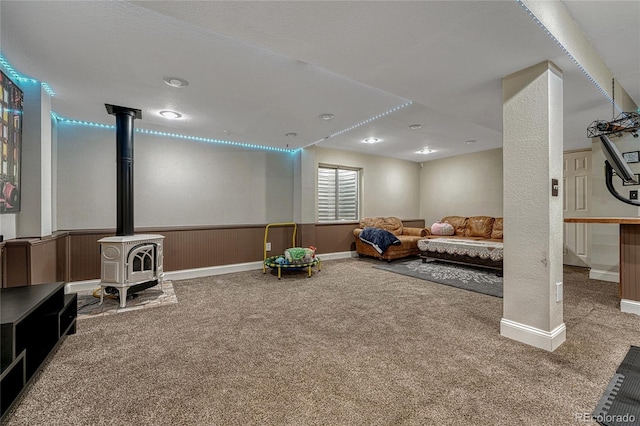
{"points": [[271, 263]]}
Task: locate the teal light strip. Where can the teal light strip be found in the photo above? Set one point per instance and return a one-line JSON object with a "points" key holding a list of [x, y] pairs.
{"points": [[15, 75], [174, 135], [362, 123], [575, 61]]}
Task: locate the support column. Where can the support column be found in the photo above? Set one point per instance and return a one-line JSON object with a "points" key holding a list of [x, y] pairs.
{"points": [[35, 218], [533, 217], [305, 201]]}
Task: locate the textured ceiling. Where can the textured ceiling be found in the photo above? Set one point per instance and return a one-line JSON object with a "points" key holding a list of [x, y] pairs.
{"points": [[260, 70]]}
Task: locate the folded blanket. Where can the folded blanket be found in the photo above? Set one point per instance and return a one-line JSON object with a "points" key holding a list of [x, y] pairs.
{"points": [[379, 239]]}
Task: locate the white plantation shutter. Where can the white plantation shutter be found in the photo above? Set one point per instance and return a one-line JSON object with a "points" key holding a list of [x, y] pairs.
{"points": [[337, 194]]}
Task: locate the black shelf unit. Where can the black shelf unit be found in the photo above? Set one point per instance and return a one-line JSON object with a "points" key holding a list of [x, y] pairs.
{"points": [[34, 320]]}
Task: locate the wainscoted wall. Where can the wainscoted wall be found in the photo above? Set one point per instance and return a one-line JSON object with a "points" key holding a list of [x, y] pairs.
{"points": [[75, 255], [184, 248]]}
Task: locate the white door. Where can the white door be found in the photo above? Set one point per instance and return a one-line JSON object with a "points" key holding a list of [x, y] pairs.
{"points": [[576, 183]]}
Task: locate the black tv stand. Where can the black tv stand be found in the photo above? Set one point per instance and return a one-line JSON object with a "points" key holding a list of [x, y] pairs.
{"points": [[35, 318]]}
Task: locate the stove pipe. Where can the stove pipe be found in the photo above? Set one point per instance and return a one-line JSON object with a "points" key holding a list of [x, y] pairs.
{"points": [[124, 158]]}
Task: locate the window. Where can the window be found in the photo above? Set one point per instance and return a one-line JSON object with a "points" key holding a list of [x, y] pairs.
{"points": [[337, 193]]}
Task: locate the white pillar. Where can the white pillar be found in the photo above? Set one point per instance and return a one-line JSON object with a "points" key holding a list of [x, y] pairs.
{"points": [[305, 200], [533, 218], [34, 219], [305, 176]]}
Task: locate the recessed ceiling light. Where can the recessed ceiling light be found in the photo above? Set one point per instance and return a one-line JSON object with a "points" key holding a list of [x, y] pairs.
{"points": [[372, 140], [415, 126], [291, 135], [470, 141], [175, 82], [170, 114], [425, 151], [326, 116]]}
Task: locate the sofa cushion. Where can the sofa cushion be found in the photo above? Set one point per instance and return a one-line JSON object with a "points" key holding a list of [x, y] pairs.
{"points": [[459, 224], [391, 224], [497, 231], [479, 226], [442, 228]]}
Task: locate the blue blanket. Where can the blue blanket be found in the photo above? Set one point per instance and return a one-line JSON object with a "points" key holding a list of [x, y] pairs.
{"points": [[380, 239]]}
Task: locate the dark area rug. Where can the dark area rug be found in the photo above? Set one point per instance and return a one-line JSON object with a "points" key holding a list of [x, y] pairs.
{"points": [[620, 403], [468, 278]]}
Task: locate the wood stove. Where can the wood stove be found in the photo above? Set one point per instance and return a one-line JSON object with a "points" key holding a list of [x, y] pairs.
{"points": [[129, 263]]}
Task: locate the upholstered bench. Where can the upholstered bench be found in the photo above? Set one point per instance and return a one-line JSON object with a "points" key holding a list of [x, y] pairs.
{"points": [[487, 254]]}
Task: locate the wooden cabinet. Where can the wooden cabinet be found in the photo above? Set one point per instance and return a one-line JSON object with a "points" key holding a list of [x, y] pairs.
{"points": [[28, 261], [34, 320]]}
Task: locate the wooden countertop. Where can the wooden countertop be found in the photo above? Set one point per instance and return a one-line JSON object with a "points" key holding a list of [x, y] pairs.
{"points": [[616, 220]]}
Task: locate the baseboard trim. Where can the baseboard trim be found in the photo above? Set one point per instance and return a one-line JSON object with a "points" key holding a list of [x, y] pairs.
{"points": [[338, 255], [630, 306], [78, 286], [598, 274], [547, 340], [185, 274]]}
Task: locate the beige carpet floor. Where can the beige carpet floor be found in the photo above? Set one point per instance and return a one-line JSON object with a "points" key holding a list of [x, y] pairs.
{"points": [[352, 345]]}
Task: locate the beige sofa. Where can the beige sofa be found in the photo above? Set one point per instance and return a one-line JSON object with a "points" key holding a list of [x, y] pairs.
{"points": [[408, 236], [480, 240], [472, 228]]}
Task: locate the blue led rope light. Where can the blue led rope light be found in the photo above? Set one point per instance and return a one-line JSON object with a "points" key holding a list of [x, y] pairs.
{"points": [[81, 122], [210, 140], [19, 77], [362, 123], [173, 135], [575, 61]]}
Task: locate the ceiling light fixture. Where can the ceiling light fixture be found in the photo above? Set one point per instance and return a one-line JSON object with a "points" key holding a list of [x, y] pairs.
{"points": [[291, 135], [470, 141], [327, 116], [372, 140], [415, 126], [170, 114], [175, 82], [425, 151]]}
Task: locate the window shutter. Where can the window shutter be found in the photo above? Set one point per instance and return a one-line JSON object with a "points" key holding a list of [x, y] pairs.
{"points": [[337, 194], [326, 194], [347, 195]]}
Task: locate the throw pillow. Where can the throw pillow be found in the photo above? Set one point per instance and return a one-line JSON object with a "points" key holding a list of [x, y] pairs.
{"points": [[442, 228]]}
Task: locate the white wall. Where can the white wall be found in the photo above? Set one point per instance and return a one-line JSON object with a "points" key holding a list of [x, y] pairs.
{"points": [[176, 182], [464, 185], [185, 183], [390, 187]]}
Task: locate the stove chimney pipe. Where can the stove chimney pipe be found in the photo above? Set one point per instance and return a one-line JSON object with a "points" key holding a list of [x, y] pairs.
{"points": [[124, 155]]}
